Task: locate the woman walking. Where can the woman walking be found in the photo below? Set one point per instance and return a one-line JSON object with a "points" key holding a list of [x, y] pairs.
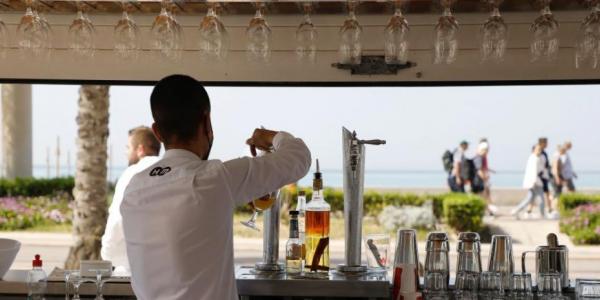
{"points": [[533, 182]]}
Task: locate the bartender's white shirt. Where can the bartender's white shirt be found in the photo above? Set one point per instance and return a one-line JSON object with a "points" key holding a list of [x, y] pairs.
{"points": [[113, 241], [179, 226]]}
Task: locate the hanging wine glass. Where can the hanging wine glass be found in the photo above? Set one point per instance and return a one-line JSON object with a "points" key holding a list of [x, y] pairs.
{"points": [[494, 35], [166, 36], [587, 48], [214, 40], [46, 28], [177, 26], [544, 45], [445, 42], [350, 49], [32, 35], [127, 36], [3, 38], [82, 34], [396, 38], [306, 37], [258, 33]]}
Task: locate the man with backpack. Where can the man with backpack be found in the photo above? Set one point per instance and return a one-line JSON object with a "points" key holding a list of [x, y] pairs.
{"points": [[456, 165]]}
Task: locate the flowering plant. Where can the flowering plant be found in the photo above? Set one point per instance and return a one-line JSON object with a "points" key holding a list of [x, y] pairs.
{"points": [[17, 213]]}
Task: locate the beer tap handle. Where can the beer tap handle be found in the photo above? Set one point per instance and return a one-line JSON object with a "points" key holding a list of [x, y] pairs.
{"points": [[372, 142]]}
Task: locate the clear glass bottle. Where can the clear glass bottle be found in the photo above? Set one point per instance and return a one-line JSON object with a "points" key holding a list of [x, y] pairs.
{"points": [[36, 280], [301, 208], [294, 261], [317, 228]]}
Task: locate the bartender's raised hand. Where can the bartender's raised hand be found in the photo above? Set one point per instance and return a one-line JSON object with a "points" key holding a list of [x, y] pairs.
{"points": [[261, 139]]}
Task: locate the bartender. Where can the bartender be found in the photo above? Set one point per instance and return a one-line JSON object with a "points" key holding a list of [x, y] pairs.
{"points": [[178, 213]]}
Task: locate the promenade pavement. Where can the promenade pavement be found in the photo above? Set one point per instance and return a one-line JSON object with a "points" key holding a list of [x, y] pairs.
{"points": [[527, 234]]}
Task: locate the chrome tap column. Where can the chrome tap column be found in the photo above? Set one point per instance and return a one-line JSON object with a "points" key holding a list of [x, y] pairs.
{"points": [[271, 238], [354, 174]]}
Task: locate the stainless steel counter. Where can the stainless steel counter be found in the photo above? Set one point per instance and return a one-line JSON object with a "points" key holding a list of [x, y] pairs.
{"points": [[369, 286]]}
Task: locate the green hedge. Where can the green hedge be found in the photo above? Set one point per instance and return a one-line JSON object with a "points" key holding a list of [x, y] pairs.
{"points": [[464, 212], [568, 202], [580, 218], [34, 187]]}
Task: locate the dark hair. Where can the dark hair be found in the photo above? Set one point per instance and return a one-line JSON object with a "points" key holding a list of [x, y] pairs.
{"points": [[542, 140], [179, 105], [143, 135]]}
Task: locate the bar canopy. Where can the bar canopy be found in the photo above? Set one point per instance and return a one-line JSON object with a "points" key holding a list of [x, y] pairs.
{"points": [[283, 67]]}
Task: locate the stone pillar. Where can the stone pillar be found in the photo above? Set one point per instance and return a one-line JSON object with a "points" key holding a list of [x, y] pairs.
{"points": [[17, 138]]}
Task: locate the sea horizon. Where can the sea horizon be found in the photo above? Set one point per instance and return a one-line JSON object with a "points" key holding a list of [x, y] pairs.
{"points": [[383, 178]]}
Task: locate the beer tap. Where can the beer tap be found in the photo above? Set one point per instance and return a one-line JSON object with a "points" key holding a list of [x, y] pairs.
{"points": [[354, 166]]}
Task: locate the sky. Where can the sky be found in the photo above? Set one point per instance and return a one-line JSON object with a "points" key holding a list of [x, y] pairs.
{"points": [[419, 123]]}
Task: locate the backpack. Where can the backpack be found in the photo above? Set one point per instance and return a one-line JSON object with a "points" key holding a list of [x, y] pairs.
{"points": [[467, 169], [448, 160]]}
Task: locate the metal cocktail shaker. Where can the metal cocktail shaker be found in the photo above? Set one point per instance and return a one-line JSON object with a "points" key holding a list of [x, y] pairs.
{"points": [[501, 258], [437, 263], [406, 266]]}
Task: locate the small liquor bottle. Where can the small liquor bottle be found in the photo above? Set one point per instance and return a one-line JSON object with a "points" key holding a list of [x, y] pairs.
{"points": [[294, 262], [301, 208]]}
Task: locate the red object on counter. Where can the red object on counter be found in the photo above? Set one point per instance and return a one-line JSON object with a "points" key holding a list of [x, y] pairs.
{"points": [[406, 284], [37, 262]]}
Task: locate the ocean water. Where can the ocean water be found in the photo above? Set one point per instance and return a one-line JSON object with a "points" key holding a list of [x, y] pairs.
{"points": [[389, 178]]}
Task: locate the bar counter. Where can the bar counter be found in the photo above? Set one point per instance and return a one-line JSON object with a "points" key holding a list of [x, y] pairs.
{"points": [[251, 285]]}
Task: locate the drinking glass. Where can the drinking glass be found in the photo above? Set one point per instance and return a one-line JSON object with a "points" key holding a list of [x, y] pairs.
{"points": [[587, 47], [33, 35], [306, 37], [490, 284], [258, 34], [378, 246], [467, 281], [76, 279], [350, 49], [214, 40], [494, 35], [396, 38], [544, 45], [549, 285], [261, 204], [436, 282], [99, 282], [166, 33], [127, 36], [445, 42], [67, 283], [520, 285], [82, 34]]}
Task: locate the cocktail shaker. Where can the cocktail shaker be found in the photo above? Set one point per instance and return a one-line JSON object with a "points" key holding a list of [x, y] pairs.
{"points": [[501, 258], [437, 263], [406, 266]]}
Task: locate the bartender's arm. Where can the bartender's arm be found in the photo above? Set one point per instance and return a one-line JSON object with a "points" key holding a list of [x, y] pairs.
{"points": [[252, 177]]}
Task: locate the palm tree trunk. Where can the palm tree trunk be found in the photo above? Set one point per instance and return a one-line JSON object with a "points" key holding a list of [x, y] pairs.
{"points": [[89, 214]]}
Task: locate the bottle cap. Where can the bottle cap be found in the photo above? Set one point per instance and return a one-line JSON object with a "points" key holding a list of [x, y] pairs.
{"points": [[37, 262], [294, 212]]}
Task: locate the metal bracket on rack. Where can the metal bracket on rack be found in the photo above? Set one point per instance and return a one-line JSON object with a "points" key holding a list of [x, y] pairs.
{"points": [[374, 65]]}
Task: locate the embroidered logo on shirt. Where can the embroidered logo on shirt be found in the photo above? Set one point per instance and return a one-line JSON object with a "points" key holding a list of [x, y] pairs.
{"points": [[159, 171]]}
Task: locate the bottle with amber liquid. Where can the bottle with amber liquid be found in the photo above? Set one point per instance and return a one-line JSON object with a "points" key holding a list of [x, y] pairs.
{"points": [[317, 229]]}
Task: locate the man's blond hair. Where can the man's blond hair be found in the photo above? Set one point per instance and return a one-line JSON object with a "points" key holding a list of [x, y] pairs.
{"points": [[143, 135]]}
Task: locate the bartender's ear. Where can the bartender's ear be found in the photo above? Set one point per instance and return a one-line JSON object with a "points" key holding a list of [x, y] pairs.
{"points": [[156, 133], [208, 126]]}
